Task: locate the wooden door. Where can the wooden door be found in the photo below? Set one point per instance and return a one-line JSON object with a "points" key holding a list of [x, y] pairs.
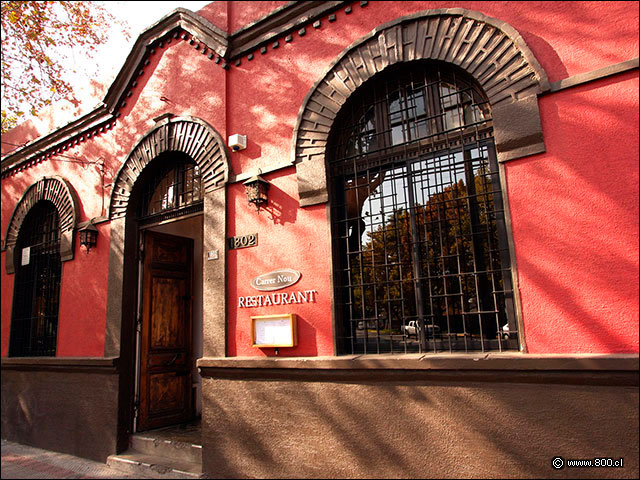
{"points": [[166, 337]]}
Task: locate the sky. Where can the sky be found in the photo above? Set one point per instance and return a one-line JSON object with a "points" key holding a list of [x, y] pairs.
{"points": [[107, 61], [139, 16], [110, 57]]}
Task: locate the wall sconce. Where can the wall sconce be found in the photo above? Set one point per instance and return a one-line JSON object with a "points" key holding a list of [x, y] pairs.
{"points": [[256, 188], [88, 236]]}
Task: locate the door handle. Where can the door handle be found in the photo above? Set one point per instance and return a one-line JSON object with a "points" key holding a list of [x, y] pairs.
{"points": [[172, 361]]}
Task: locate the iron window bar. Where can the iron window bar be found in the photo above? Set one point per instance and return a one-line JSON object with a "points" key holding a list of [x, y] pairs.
{"points": [[36, 297], [172, 188], [418, 224]]}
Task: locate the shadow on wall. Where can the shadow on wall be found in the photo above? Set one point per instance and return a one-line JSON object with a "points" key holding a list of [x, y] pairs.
{"points": [[591, 184], [281, 207], [575, 222], [348, 429], [588, 36], [552, 62], [61, 411], [307, 332], [83, 299]]}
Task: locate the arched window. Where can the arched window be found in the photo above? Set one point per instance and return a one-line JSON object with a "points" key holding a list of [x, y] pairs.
{"points": [[422, 259], [171, 187], [36, 294]]}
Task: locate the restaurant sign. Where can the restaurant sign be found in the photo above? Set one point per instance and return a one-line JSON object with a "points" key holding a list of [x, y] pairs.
{"points": [[268, 282]]}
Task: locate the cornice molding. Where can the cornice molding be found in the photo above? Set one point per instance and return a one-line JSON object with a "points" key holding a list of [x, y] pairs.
{"points": [[600, 73], [51, 143], [206, 38], [223, 48], [578, 369], [202, 33], [281, 21], [205, 32], [108, 365]]}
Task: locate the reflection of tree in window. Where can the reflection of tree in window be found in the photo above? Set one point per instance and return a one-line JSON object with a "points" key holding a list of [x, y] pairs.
{"points": [[418, 218]]}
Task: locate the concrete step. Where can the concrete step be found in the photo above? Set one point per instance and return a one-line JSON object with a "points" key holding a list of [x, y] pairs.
{"points": [[143, 465], [162, 447]]}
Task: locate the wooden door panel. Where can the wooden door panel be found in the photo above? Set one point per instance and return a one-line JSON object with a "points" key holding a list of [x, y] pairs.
{"points": [[169, 251], [166, 312], [161, 360], [166, 394], [165, 349]]}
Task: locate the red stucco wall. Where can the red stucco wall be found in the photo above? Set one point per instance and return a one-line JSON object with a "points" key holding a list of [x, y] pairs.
{"points": [[575, 222], [83, 295], [6, 297], [574, 208], [83, 290], [82, 315], [288, 237]]}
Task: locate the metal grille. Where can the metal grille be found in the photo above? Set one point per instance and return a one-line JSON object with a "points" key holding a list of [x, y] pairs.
{"points": [[36, 297], [174, 186], [417, 219]]}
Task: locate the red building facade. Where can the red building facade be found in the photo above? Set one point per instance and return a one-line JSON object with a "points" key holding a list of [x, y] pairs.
{"points": [[471, 167]]}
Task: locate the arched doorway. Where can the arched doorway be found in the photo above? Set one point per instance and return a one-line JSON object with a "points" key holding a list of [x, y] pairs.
{"points": [[167, 203], [156, 194]]}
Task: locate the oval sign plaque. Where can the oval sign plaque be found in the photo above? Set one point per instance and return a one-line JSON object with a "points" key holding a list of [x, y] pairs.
{"points": [[275, 280]]}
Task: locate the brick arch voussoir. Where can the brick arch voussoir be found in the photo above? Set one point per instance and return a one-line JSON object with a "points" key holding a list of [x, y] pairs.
{"points": [[59, 192], [489, 50], [188, 135]]}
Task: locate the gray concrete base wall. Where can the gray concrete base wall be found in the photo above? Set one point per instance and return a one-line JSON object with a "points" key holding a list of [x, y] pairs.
{"points": [[66, 410], [416, 424]]}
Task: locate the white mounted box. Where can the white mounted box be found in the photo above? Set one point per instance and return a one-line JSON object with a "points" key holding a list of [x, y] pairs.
{"points": [[237, 142]]}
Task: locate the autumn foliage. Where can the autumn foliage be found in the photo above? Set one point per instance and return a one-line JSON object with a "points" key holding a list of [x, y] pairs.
{"points": [[37, 40], [458, 255]]}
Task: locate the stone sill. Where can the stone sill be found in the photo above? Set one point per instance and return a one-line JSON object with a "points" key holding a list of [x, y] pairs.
{"points": [[62, 364], [460, 369], [487, 361]]}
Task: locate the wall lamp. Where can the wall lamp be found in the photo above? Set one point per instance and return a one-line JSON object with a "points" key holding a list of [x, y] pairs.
{"points": [[256, 188], [88, 236]]}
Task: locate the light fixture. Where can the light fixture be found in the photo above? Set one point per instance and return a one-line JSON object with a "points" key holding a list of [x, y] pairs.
{"points": [[256, 188], [88, 236]]}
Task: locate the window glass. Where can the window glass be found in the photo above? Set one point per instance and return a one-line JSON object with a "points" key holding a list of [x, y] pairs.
{"points": [[423, 261], [34, 319], [174, 183]]}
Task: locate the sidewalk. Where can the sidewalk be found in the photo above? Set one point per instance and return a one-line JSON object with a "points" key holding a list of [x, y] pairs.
{"points": [[21, 461]]}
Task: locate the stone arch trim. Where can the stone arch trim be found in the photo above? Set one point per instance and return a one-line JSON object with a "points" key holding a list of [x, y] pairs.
{"points": [[59, 192], [489, 50], [188, 135]]}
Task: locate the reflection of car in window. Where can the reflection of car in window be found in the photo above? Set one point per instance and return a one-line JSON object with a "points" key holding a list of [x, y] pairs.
{"points": [[412, 329], [373, 324]]}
